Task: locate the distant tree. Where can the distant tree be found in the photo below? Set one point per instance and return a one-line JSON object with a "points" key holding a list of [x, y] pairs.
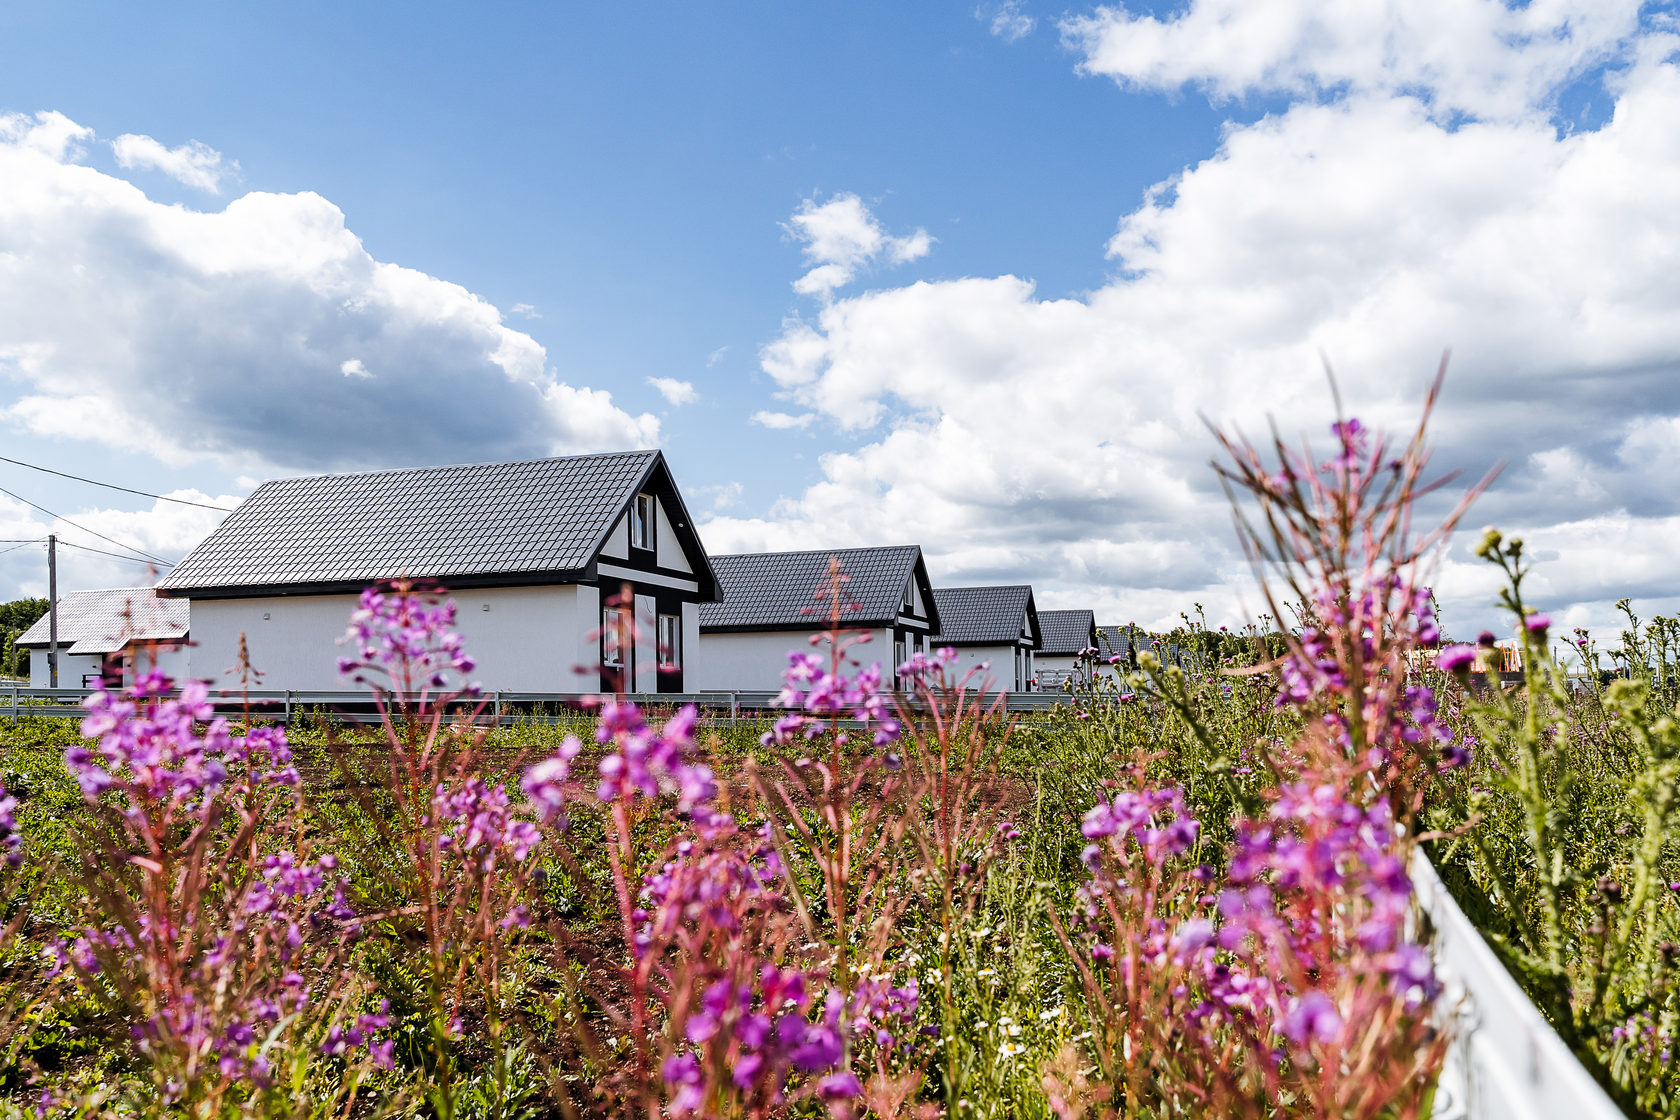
{"points": [[16, 617]]}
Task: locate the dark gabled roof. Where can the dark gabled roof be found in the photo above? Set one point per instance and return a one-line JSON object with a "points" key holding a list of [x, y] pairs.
{"points": [[1067, 632], [990, 616], [536, 520], [770, 590], [106, 620]]}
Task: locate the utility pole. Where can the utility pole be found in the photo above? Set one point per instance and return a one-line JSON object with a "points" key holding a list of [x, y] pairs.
{"points": [[52, 610]]}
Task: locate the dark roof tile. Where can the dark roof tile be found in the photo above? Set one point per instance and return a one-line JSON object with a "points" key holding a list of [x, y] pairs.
{"points": [[1067, 632], [777, 589], [538, 516], [982, 615]]}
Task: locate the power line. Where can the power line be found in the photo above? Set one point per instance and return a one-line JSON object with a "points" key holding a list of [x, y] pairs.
{"points": [[114, 486], [83, 528], [25, 544], [117, 555]]}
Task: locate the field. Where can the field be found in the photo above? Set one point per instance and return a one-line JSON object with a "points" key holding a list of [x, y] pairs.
{"points": [[1188, 901]]}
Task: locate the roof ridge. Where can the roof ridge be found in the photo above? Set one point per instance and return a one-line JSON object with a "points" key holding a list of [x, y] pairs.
{"points": [[461, 466], [817, 551]]}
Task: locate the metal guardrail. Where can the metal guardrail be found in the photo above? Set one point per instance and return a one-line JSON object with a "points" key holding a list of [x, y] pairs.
{"points": [[1506, 1062], [355, 706]]}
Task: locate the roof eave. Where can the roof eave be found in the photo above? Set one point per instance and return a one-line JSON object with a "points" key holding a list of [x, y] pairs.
{"points": [[456, 582]]}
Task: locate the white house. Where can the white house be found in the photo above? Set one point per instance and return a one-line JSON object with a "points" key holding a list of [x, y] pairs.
{"points": [[530, 551], [769, 604], [108, 635], [1067, 634], [994, 626]]}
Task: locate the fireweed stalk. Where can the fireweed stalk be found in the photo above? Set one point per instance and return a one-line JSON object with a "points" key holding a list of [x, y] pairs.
{"points": [[1301, 985], [1335, 539], [204, 922], [851, 847], [894, 797], [465, 877]]}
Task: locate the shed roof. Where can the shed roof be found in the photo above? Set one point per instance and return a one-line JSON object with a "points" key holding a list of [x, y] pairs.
{"points": [[1067, 632], [771, 590], [107, 619], [531, 521], [972, 616]]}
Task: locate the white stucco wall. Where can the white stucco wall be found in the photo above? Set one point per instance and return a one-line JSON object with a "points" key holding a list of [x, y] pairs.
{"points": [[72, 667], [756, 661], [524, 639], [1000, 676]]}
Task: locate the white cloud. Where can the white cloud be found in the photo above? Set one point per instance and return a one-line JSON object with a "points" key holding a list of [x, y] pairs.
{"points": [[675, 392], [166, 530], [1061, 440], [192, 164], [782, 421], [353, 367], [526, 310], [716, 356], [1007, 20], [1482, 57], [224, 334], [842, 237]]}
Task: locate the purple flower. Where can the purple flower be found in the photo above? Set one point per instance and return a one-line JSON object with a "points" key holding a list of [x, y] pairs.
{"points": [[545, 783], [1456, 659], [1311, 1018], [1537, 625]]}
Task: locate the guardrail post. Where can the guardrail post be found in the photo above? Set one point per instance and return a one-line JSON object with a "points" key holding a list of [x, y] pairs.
{"points": [[496, 706], [14, 705], [289, 695], [734, 707]]}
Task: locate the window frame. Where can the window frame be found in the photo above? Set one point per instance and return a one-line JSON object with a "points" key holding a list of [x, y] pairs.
{"points": [[644, 512], [669, 646], [612, 637]]}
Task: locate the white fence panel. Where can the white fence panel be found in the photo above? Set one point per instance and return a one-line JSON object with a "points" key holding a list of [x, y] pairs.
{"points": [[1506, 1063]]}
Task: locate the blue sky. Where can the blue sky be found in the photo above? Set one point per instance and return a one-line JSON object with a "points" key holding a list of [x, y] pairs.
{"points": [[1019, 392], [627, 176]]}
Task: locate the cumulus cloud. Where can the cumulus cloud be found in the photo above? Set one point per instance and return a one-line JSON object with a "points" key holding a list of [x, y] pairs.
{"points": [[782, 421], [675, 392], [1061, 440], [841, 238], [238, 335], [192, 164], [1482, 57], [166, 530], [1009, 20]]}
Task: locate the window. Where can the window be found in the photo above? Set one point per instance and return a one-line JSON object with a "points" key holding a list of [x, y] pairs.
{"points": [[909, 598], [615, 631], [670, 641], [901, 649], [641, 521]]}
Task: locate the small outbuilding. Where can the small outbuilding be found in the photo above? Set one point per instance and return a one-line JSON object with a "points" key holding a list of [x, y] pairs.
{"points": [[995, 626], [533, 553], [773, 602], [108, 635], [1067, 635]]}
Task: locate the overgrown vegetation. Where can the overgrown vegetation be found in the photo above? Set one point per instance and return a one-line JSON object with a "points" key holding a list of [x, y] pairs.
{"points": [[1186, 897]]}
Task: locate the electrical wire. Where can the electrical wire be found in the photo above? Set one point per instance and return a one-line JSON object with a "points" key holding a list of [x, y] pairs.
{"points": [[114, 486], [83, 528], [117, 555], [24, 544]]}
